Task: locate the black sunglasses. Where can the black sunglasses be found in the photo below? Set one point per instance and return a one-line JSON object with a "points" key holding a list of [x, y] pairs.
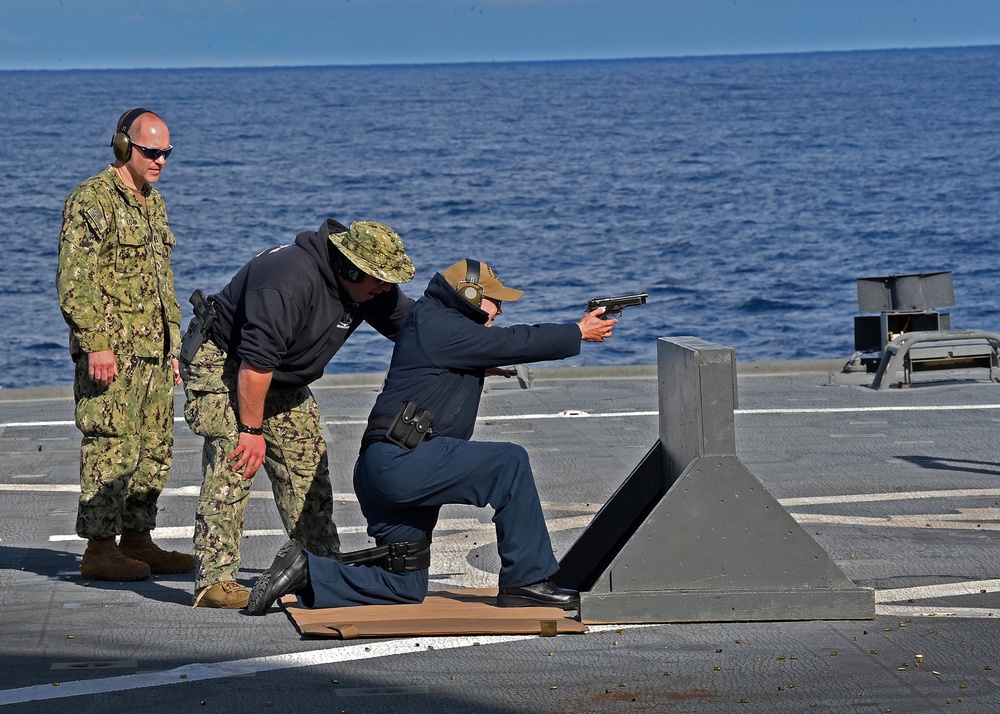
{"points": [[153, 154]]}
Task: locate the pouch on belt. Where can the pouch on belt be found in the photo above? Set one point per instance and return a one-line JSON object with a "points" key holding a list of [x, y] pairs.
{"points": [[411, 425]]}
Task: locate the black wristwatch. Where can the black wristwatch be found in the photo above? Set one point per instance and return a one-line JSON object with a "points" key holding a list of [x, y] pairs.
{"points": [[255, 430]]}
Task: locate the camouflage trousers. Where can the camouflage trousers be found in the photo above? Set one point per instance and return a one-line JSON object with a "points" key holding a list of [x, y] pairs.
{"points": [[295, 461], [128, 440]]}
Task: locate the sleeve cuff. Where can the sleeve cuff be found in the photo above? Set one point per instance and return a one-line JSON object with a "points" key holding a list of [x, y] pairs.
{"points": [[94, 341]]}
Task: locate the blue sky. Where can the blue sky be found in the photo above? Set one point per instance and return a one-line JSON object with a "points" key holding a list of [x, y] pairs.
{"points": [[85, 34]]}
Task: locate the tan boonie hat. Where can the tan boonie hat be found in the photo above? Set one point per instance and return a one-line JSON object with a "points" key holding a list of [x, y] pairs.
{"points": [[377, 250], [488, 280]]}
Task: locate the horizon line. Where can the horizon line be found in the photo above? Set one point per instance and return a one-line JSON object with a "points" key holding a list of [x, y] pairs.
{"points": [[499, 62]]}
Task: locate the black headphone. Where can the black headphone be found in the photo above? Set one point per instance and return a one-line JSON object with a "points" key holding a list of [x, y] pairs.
{"points": [[121, 143], [470, 288]]}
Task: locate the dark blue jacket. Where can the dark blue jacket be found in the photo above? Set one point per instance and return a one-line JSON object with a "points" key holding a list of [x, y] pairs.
{"points": [[284, 311], [443, 350]]}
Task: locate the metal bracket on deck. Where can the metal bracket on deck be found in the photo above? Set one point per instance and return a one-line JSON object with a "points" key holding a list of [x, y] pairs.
{"points": [[897, 355], [692, 535]]}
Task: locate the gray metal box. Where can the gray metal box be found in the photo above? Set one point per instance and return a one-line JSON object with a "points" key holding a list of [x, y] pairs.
{"points": [[917, 291]]}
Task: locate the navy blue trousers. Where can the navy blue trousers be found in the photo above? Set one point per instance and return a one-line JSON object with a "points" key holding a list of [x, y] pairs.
{"points": [[401, 493]]}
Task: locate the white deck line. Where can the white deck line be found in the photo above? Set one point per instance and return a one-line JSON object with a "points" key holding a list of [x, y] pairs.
{"points": [[197, 672], [579, 414]]}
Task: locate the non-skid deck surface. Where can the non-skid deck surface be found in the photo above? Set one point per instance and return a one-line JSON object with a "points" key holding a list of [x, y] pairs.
{"points": [[443, 612]]}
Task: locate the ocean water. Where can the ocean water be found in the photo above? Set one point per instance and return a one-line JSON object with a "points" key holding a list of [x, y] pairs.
{"points": [[745, 194]]}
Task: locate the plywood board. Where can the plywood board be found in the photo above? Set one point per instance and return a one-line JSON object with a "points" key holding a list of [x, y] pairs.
{"points": [[442, 613]]}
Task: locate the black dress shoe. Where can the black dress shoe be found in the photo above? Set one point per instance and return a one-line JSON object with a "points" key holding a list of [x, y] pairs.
{"points": [[543, 593], [289, 573]]}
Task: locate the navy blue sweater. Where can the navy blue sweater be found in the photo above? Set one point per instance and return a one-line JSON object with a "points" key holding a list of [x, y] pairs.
{"points": [[284, 311], [443, 350]]}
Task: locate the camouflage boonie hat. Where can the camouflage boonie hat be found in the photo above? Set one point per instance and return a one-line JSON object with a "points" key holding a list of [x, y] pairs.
{"points": [[377, 250]]}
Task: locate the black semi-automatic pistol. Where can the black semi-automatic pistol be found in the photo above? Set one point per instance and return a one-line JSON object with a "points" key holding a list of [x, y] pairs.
{"points": [[613, 306]]}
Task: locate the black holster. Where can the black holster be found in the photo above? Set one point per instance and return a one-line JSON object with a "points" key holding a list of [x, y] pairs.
{"points": [[403, 557], [205, 313]]}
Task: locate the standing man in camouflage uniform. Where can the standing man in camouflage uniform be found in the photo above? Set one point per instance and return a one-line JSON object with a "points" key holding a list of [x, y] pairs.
{"points": [[248, 357], [116, 291]]}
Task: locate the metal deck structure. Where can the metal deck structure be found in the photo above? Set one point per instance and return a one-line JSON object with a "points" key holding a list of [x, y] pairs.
{"points": [[899, 487]]}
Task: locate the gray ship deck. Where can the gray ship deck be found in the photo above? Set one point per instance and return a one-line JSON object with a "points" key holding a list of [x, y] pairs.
{"points": [[900, 487]]}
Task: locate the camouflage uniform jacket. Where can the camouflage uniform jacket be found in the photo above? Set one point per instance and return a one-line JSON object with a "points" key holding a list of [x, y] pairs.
{"points": [[115, 283]]}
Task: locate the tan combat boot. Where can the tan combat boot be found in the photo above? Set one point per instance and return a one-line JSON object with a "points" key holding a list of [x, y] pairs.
{"points": [[103, 561], [228, 594], [139, 545]]}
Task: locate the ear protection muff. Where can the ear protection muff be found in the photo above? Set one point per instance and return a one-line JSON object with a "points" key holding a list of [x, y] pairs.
{"points": [[121, 143], [470, 288], [349, 271]]}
